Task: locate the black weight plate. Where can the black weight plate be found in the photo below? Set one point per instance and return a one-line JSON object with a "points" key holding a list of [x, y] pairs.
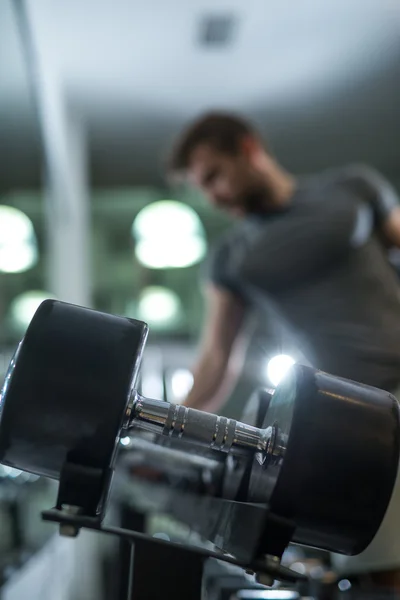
{"points": [[239, 468], [335, 460], [256, 407], [68, 389]]}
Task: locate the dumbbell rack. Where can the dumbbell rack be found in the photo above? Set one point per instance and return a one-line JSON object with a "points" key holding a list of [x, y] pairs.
{"points": [[174, 566], [155, 564]]}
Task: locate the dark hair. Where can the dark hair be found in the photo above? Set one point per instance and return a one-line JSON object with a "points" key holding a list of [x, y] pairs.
{"points": [[222, 131]]}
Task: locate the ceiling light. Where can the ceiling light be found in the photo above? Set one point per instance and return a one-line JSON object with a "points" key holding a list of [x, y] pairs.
{"points": [[15, 226], [17, 257], [23, 307], [172, 253], [166, 218], [158, 306], [168, 234], [18, 247]]}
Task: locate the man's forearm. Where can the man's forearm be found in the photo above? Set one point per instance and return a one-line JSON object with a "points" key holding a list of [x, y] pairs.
{"points": [[216, 373], [208, 379], [391, 228]]}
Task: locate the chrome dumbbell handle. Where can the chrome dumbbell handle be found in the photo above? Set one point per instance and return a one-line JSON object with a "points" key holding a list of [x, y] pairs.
{"points": [[201, 428]]}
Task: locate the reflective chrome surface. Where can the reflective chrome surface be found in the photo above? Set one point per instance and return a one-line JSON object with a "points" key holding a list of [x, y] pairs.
{"points": [[9, 374], [205, 429], [266, 595]]}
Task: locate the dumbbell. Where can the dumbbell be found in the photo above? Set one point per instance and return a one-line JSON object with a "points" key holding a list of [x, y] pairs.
{"points": [[324, 457]]}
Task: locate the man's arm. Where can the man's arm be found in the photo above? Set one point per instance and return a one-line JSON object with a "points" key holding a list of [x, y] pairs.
{"points": [[383, 198], [224, 319], [391, 228]]}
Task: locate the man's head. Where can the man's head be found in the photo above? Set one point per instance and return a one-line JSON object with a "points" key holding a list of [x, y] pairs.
{"points": [[223, 155]]}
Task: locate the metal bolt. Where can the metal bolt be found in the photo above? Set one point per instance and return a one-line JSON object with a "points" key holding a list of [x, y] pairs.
{"points": [[272, 563], [265, 579], [69, 530]]}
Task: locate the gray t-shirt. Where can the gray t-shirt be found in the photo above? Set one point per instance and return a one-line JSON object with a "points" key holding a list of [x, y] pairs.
{"points": [[322, 264]]}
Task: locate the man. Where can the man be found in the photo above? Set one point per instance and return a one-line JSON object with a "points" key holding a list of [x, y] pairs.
{"points": [[317, 247]]}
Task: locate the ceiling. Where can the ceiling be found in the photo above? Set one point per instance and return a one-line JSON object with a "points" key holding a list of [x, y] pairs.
{"points": [[321, 79]]}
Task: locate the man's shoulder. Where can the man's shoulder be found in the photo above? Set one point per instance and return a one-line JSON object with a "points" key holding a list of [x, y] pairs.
{"points": [[221, 264], [222, 248], [348, 173]]}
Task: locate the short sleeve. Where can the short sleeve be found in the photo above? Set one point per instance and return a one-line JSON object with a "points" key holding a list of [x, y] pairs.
{"points": [[372, 187], [220, 271]]}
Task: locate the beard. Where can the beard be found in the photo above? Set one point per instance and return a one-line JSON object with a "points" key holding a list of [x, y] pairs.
{"points": [[258, 200]]}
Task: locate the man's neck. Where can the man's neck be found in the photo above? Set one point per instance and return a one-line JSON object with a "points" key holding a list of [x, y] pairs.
{"points": [[284, 190], [281, 184]]}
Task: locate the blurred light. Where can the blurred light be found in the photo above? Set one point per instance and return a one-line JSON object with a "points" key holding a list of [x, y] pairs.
{"points": [[125, 441], [18, 247], [17, 258], [7, 471], [162, 536], [158, 306], [278, 366], [15, 473], [168, 234], [298, 567], [152, 384], [23, 307], [268, 595], [317, 572], [14, 225], [166, 218], [181, 384], [344, 585], [175, 253]]}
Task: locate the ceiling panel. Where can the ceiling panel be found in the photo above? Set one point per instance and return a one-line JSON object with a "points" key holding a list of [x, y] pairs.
{"points": [[321, 79]]}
